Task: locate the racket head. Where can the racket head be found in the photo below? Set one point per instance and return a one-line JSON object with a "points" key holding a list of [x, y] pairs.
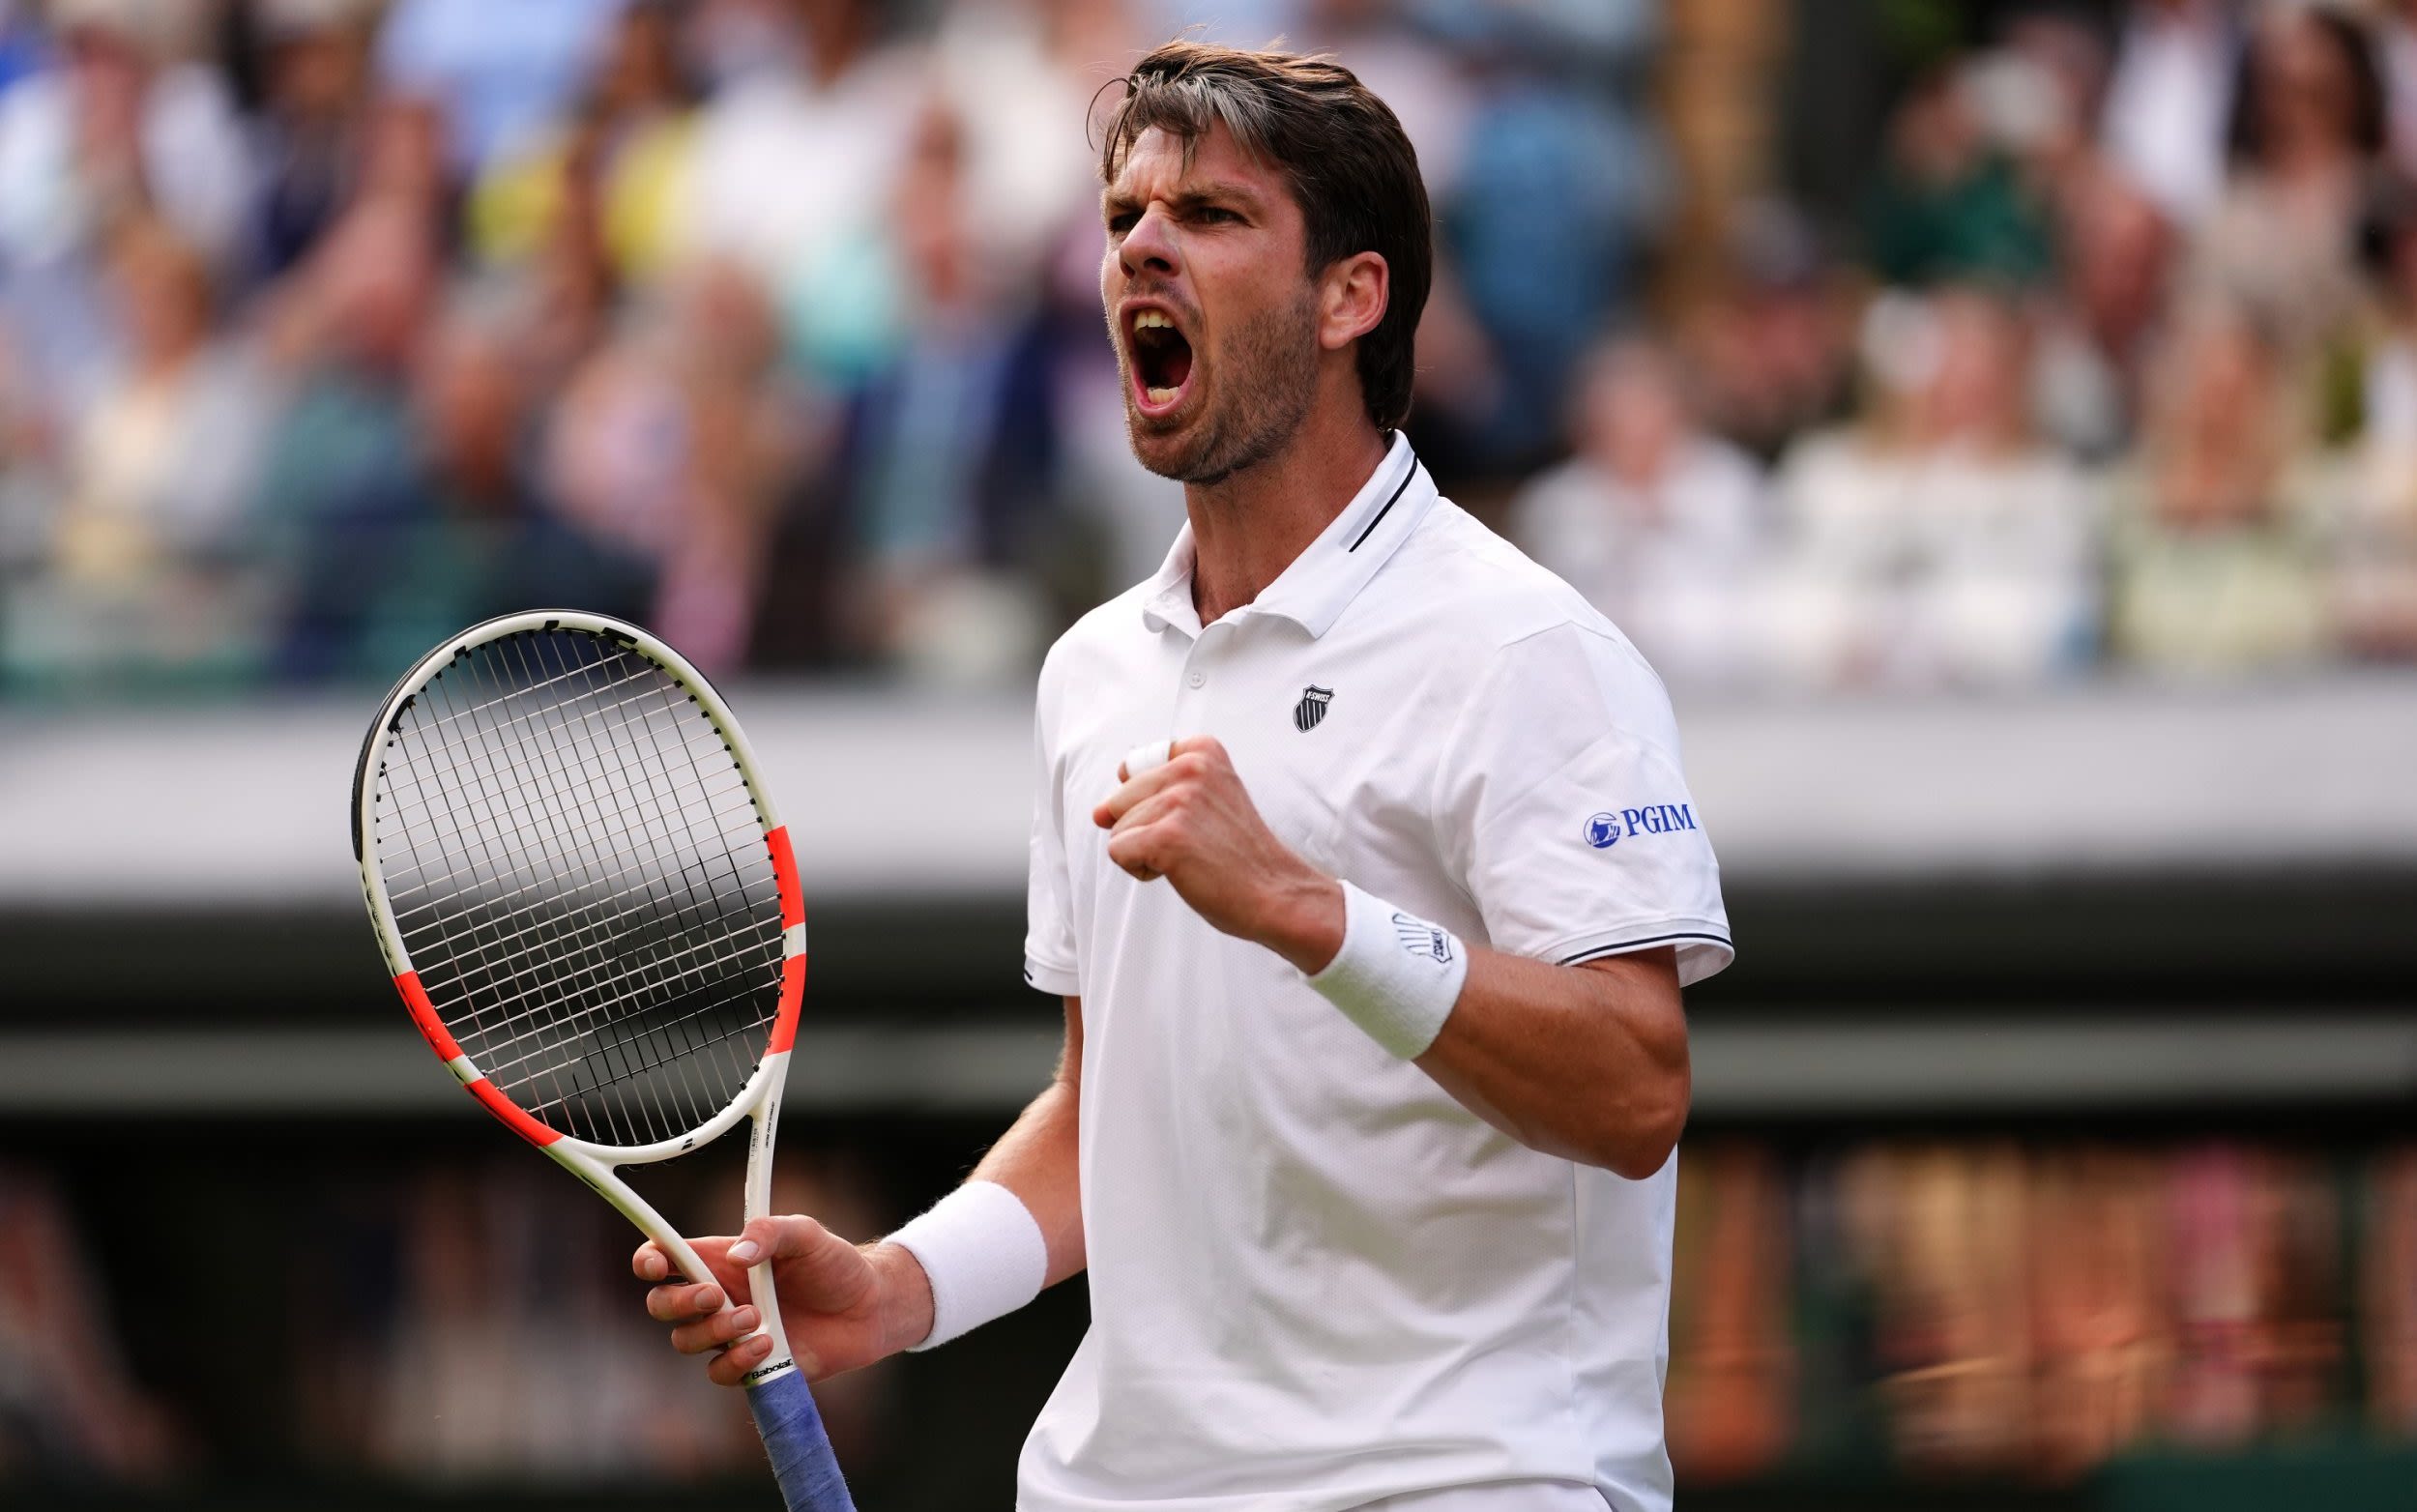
{"points": [[581, 886]]}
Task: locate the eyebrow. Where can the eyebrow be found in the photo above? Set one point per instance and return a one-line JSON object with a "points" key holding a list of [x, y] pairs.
{"points": [[1117, 201]]}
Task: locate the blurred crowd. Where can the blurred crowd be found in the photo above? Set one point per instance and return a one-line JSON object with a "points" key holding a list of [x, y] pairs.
{"points": [[2032, 1310], [1964, 1308], [329, 326]]}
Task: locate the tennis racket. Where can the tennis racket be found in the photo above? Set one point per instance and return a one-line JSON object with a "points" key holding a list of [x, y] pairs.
{"points": [[592, 912]]}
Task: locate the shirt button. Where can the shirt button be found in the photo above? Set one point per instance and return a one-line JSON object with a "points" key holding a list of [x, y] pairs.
{"points": [[1198, 680]]}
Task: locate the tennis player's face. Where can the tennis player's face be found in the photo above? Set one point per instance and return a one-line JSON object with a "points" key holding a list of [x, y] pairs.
{"points": [[1210, 305]]}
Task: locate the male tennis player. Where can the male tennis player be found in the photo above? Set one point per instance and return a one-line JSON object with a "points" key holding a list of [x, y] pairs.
{"points": [[1374, 1053]]}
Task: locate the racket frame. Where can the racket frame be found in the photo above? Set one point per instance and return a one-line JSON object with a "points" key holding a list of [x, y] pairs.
{"points": [[599, 1165]]}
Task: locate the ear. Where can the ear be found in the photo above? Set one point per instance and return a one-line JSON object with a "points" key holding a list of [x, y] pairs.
{"points": [[1352, 297]]}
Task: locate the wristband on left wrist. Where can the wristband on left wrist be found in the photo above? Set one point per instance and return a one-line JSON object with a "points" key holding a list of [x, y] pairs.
{"points": [[1398, 977]]}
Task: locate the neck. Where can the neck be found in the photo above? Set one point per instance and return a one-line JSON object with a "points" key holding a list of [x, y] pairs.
{"points": [[1248, 527]]}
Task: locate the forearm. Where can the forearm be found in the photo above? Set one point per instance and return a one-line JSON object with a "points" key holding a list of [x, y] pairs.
{"points": [[1036, 1160], [1585, 1062], [1590, 1065]]}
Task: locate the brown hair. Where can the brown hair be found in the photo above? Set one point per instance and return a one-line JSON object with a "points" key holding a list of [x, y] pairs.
{"points": [[1344, 155]]}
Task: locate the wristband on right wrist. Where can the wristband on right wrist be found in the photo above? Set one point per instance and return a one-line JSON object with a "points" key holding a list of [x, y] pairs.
{"points": [[982, 1252]]}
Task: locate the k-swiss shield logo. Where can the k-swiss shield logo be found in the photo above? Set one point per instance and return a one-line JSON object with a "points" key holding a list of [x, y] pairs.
{"points": [[1312, 707], [1421, 937]]}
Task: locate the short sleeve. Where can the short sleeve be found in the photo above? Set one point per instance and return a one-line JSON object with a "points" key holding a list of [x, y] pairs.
{"points": [[1049, 955], [1562, 811]]}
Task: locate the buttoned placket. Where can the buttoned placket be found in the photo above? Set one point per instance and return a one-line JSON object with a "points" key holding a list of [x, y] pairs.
{"points": [[1211, 648]]}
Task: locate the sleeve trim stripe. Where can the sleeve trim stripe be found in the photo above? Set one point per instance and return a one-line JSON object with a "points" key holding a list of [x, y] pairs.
{"points": [[1625, 947]]}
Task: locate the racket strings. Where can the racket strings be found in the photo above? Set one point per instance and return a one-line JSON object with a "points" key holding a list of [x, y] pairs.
{"points": [[623, 1058], [591, 907], [539, 907], [626, 1055], [633, 868], [462, 735]]}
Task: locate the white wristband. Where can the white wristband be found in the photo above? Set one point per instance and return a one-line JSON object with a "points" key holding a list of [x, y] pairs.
{"points": [[1396, 977], [982, 1251]]}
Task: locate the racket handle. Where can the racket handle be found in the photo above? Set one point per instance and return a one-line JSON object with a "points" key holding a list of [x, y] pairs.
{"points": [[793, 1433]]}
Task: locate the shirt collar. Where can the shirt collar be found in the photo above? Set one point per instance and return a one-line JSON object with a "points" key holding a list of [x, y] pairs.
{"points": [[1320, 583]]}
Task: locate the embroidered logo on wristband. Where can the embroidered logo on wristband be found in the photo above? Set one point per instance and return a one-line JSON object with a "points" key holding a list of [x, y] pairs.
{"points": [[1421, 937]]}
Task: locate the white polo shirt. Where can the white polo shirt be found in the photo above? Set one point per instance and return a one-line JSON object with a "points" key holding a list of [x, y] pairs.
{"points": [[1316, 1280]]}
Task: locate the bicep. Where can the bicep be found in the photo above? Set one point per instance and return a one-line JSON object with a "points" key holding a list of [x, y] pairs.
{"points": [[1648, 976], [1646, 1008]]}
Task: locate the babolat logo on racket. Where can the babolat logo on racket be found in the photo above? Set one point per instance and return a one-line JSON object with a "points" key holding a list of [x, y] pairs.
{"points": [[1312, 707], [1421, 937]]}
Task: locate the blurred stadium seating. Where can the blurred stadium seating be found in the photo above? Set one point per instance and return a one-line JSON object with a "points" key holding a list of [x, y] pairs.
{"points": [[1996, 420]]}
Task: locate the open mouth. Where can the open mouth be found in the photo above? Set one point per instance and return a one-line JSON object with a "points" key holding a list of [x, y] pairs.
{"points": [[1162, 360]]}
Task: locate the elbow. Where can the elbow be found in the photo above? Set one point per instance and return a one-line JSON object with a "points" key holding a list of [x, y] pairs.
{"points": [[1637, 1143]]}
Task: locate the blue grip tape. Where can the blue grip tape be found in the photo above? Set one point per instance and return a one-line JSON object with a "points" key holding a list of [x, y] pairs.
{"points": [[793, 1433]]}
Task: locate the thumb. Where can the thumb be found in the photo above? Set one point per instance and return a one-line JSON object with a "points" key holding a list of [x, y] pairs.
{"points": [[763, 1238], [817, 1268], [730, 1275]]}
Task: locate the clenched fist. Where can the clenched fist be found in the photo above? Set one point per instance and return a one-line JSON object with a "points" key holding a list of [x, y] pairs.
{"points": [[1190, 822]]}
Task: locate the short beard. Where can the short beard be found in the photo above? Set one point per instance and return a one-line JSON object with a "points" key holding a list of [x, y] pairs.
{"points": [[1267, 379]]}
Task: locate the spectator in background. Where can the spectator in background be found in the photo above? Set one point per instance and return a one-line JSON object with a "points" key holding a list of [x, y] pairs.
{"points": [[2395, 57], [2117, 253], [1423, 82], [2176, 63], [1037, 66], [1947, 204], [115, 127], [2307, 132], [1938, 541], [342, 334], [826, 92], [501, 73], [163, 463], [29, 462], [951, 449], [673, 442], [618, 156], [1770, 347], [2217, 564], [1659, 525], [307, 142], [149, 572], [2375, 545], [23, 49], [454, 534], [1562, 181]]}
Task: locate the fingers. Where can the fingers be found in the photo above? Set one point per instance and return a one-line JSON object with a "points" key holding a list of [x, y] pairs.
{"points": [[1132, 790], [1192, 757], [651, 1264], [818, 1271], [773, 1236], [684, 1301], [1140, 847], [705, 1335], [730, 1367]]}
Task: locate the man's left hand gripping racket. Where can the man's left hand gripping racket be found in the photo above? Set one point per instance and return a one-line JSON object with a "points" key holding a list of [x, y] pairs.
{"points": [[592, 911]]}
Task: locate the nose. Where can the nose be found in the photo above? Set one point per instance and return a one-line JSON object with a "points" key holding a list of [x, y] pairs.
{"points": [[1150, 244]]}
